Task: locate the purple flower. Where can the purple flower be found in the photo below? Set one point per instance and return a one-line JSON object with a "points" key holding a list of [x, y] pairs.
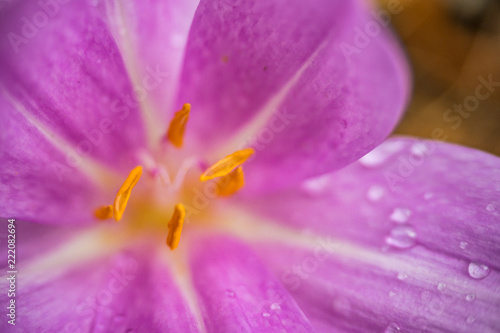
{"points": [[328, 234]]}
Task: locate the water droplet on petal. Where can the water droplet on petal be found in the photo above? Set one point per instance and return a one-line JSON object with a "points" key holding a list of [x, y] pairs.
{"points": [[402, 237], [375, 193], [392, 293], [400, 215], [419, 149], [229, 293], [316, 185], [463, 245], [441, 286], [470, 319], [478, 271], [425, 295], [265, 314], [392, 328], [402, 276], [275, 306], [379, 155], [490, 207], [470, 297], [428, 195], [373, 159]]}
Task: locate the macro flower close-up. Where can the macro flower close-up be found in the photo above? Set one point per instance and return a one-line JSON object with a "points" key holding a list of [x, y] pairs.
{"points": [[226, 166]]}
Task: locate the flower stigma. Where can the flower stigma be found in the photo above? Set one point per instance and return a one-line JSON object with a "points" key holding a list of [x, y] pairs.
{"points": [[174, 195]]}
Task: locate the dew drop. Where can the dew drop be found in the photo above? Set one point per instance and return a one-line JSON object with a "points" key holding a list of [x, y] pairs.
{"points": [[316, 185], [402, 276], [266, 314], [428, 195], [275, 306], [490, 207], [478, 271], [419, 149], [375, 193], [229, 293], [392, 328], [373, 159], [402, 237], [463, 245], [470, 319], [425, 295], [441, 286], [400, 215], [379, 155], [470, 297]]}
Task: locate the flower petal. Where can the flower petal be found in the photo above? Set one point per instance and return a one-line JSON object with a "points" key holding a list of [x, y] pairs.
{"points": [[36, 184], [126, 291], [34, 240], [72, 78], [349, 289], [273, 75], [152, 36], [408, 237], [237, 293], [448, 194]]}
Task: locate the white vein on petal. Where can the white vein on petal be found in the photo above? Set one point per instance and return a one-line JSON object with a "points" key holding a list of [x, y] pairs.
{"points": [[263, 116], [97, 172], [115, 12], [258, 229], [181, 274]]}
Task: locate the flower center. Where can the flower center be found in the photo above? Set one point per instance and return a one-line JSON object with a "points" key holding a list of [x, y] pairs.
{"points": [[155, 202]]}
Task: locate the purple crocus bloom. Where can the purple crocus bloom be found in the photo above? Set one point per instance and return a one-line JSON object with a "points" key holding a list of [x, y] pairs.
{"points": [[335, 230]]}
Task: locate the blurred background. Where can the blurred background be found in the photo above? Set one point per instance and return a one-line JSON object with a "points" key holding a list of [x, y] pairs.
{"points": [[451, 43]]}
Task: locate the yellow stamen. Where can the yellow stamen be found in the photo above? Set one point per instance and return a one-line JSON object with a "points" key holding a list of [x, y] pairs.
{"points": [[227, 164], [177, 126], [175, 226], [231, 183], [104, 212], [124, 192]]}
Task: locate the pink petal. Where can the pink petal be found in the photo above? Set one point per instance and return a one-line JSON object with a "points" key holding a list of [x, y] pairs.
{"points": [[273, 75], [448, 194], [61, 65], [36, 183], [152, 37], [343, 288], [405, 237], [37, 239], [129, 291], [237, 293]]}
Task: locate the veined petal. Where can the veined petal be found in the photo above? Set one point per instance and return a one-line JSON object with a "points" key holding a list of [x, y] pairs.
{"points": [[273, 75], [237, 293], [152, 37], [104, 294], [353, 290], [37, 239], [36, 182], [62, 66], [447, 193], [418, 209]]}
